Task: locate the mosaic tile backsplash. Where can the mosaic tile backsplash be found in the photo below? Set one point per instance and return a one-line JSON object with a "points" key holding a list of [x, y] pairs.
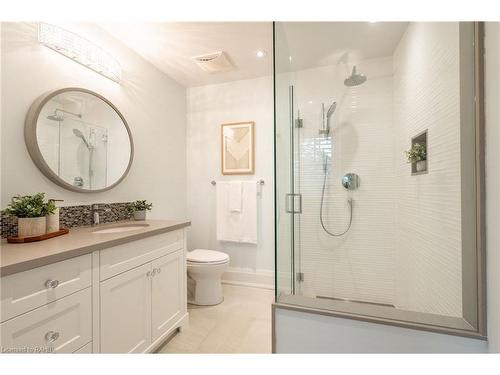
{"points": [[75, 216]]}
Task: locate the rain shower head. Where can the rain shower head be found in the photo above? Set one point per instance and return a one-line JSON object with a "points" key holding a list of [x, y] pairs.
{"points": [[355, 79], [80, 135]]}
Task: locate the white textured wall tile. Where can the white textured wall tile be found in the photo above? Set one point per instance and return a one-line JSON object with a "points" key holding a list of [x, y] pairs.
{"points": [[427, 96], [358, 265], [404, 246]]}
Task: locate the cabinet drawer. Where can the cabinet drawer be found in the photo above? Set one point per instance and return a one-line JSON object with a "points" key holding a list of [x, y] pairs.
{"points": [[121, 258], [62, 326], [25, 291]]}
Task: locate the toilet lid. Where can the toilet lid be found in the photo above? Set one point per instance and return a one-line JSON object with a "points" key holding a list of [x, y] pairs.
{"points": [[206, 256]]}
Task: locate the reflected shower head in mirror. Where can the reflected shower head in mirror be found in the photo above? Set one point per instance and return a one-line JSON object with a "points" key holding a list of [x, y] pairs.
{"points": [[355, 79], [80, 135], [58, 117], [55, 117]]}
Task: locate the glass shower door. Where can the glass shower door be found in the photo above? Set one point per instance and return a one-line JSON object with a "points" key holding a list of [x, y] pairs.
{"points": [[288, 199]]}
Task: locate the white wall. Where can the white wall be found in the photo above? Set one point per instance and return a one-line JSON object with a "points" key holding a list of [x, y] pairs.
{"points": [[208, 107], [428, 263], [492, 83], [153, 104]]}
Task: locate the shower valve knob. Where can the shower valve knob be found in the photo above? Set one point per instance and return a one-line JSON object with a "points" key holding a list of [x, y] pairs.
{"points": [[350, 181]]}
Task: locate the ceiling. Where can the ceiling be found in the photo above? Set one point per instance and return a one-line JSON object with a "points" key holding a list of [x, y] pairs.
{"points": [[171, 46], [312, 44]]}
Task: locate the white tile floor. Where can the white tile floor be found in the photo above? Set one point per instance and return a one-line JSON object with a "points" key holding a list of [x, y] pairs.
{"points": [[240, 324]]}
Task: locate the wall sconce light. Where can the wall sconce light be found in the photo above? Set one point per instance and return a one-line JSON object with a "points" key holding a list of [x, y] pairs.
{"points": [[80, 50]]}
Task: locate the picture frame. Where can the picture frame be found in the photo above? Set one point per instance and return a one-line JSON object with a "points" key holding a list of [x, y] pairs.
{"points": [[237, 148]]}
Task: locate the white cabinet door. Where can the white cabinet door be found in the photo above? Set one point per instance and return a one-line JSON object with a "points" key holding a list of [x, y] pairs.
{"points": [[168, 292], [126, 311]]}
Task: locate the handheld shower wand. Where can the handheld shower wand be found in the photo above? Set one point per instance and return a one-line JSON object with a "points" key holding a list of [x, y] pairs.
{"points": [[325, 129]]}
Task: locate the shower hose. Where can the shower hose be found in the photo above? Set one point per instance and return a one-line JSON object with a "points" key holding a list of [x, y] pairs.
{"points": [[349, 202]]}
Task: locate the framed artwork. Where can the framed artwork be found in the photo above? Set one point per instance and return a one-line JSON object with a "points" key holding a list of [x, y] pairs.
{"points": [[237, 148]]}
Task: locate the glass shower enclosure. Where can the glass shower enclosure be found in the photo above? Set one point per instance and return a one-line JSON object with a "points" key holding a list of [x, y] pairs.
{"points": [[377, 187]]}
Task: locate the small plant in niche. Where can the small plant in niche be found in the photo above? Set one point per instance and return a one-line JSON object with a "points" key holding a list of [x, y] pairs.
{"points": [[30, 211], [417, 154], [138, 209]]}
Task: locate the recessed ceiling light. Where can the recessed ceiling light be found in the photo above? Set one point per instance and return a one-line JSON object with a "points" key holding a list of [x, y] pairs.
{"points": [[261, 54]]}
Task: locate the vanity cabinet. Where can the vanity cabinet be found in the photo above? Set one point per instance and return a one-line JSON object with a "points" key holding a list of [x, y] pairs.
{"points": [[127, 298]]}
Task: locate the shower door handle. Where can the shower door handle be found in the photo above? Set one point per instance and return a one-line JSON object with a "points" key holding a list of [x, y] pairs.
{"points": [[293, 203]]}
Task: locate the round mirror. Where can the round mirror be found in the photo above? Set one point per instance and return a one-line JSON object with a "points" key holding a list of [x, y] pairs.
{"points": [[79, 140]]}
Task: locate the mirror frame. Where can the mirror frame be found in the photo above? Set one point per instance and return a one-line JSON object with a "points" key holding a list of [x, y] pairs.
{"points": [[30, 138]]}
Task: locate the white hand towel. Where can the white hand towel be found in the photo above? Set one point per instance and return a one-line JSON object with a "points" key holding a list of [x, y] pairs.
{"points": [[237, 226], [235, 196]]}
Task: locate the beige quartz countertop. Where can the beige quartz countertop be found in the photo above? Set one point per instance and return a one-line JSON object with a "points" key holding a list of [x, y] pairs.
{"points": [[16, 258]]}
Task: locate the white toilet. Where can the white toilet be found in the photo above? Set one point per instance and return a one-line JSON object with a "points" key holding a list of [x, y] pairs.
{"points": [[205, 269]]}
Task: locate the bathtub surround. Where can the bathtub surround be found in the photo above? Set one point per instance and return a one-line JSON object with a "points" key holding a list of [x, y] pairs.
{"points": [[74, 216], [207, 108], [153, 104]]}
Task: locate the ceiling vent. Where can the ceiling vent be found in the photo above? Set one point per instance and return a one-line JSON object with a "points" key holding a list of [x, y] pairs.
{"points": [[215, 62]]}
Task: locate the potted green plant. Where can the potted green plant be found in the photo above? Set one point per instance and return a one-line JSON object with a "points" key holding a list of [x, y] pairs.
{"points": [[31, 211], [138, 209], [417, 154]]}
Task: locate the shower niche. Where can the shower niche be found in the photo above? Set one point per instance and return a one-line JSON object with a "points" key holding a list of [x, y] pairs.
{"points": [[422, 166]]}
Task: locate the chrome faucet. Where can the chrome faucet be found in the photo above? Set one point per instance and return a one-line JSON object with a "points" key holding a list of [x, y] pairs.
{"points": [[95, 214], [96, 210]]}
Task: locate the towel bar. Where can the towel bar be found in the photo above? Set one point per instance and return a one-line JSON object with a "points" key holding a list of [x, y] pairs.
{"points": [[259, 182]]}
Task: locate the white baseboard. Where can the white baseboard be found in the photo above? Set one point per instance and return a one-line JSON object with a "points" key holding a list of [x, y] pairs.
{"points": [[247, 277]]}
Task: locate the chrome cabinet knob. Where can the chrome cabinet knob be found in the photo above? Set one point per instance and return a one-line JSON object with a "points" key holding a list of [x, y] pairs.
{"points": [[148, 274], [51, 336], [158, 270], [52, 284], [153, 272]]}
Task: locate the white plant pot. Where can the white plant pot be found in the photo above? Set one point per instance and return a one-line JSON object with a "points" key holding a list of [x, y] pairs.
{"points": [[421, 165], [31, 226], [140, 215], [53, 221]]}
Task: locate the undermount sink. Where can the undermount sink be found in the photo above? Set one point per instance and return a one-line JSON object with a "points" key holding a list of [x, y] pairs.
{"points": [[121, 228]]}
